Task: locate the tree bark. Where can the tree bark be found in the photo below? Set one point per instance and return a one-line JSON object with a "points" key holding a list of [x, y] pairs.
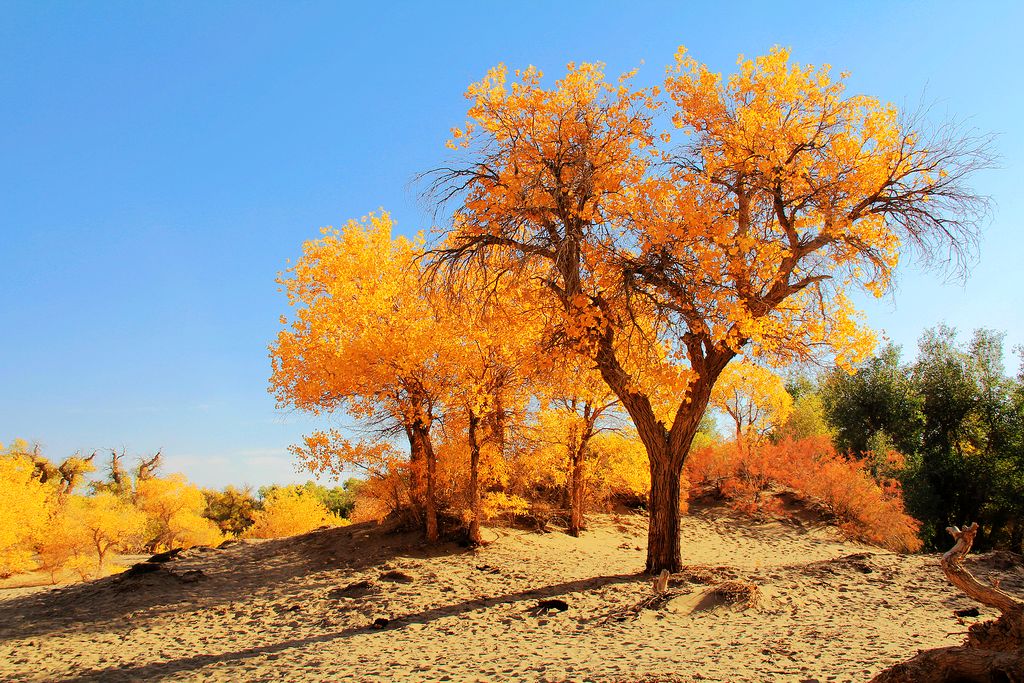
{"points": [[423, 476], [576, 489], [474, 479], [417, 467], [663, 547], [430, 507], [956, 665], [953, 568]]}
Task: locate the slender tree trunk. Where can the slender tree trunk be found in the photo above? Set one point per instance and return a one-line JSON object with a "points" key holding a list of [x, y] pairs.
{"points": [[100, 554], [417, 465], [576, 489], [474, 478], [430, 504]]}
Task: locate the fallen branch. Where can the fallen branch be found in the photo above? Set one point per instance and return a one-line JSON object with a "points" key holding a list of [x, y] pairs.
{"points": [[953, 568], [994, 650]]}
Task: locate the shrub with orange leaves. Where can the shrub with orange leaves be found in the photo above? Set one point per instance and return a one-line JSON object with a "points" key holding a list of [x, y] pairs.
{"points": [[867, 509]]}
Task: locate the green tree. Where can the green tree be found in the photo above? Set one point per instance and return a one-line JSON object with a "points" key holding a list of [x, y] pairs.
{"points": [[233, 510], [879, 397]]}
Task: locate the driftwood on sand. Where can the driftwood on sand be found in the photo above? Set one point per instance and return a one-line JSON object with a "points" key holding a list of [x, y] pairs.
{"points": [[994, 650]]}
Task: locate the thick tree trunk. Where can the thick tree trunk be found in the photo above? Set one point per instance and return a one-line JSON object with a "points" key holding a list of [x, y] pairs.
{"points": [[956, 665], [663, 548], [423, 466], [474, 479], [666, 448]]}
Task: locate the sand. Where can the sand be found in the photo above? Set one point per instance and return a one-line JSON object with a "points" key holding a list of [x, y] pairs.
{"points": [[304, 608]]}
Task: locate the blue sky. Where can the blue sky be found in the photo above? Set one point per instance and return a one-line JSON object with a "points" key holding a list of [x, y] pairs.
{"points": [[159, 162]]}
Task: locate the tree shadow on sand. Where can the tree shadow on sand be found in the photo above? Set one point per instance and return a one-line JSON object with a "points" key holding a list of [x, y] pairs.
{"points": [[199, 661], [201, 578]]}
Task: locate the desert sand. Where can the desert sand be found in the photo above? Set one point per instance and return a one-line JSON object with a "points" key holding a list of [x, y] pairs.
{"points": [[304, 608]]}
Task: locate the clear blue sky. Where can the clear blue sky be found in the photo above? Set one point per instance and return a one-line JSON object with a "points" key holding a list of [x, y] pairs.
{"points": [[160, 161]]}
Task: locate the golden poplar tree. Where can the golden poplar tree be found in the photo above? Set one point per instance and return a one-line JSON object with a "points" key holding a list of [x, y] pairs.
{"points": [[364, 338], [754, 398], [668, 253]]}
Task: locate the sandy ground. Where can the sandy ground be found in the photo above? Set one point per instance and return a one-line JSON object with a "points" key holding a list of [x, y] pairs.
{"points": [[303, 609]]}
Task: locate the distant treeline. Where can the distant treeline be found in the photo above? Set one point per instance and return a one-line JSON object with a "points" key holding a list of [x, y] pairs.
{"points": [[53, 519]]}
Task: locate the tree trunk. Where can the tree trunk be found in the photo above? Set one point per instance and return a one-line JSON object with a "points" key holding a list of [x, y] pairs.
{"points": [[417, 487], [101, 553], [663, 549], [430, 504], [474, 479], [576, 489], [666, 448], [953, 568], [956, 665], [423, 476]]}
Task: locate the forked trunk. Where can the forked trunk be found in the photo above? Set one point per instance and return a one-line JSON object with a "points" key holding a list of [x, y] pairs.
{"points": [[474, 478]]}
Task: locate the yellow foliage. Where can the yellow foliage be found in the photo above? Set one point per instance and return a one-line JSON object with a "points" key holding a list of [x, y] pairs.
{"points": [[85, 530], [626, 471], [175, 511], [661, 261], [65, 547], [364, 334], [496, 503], [807, 419], [108, 522], [25, 506], [287, 512], [754, 397]]}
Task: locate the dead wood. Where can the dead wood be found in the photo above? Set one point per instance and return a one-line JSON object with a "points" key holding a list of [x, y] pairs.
{"points": [[994, 650]]}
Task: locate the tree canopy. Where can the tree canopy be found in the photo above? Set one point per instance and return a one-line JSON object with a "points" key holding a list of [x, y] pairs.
{"points": [[663, 261]]}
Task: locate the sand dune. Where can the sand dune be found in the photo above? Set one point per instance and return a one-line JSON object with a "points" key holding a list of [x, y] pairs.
{"points": [[305, 608]]}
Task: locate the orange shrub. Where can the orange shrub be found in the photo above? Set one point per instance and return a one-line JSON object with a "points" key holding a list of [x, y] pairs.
{"points": [[868, 509]]}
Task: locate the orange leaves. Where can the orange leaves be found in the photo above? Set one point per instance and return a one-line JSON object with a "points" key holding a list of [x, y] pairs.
{"points": [[867, 509], [365, 334], [742, 243], [332, 453], [581, 117]]}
